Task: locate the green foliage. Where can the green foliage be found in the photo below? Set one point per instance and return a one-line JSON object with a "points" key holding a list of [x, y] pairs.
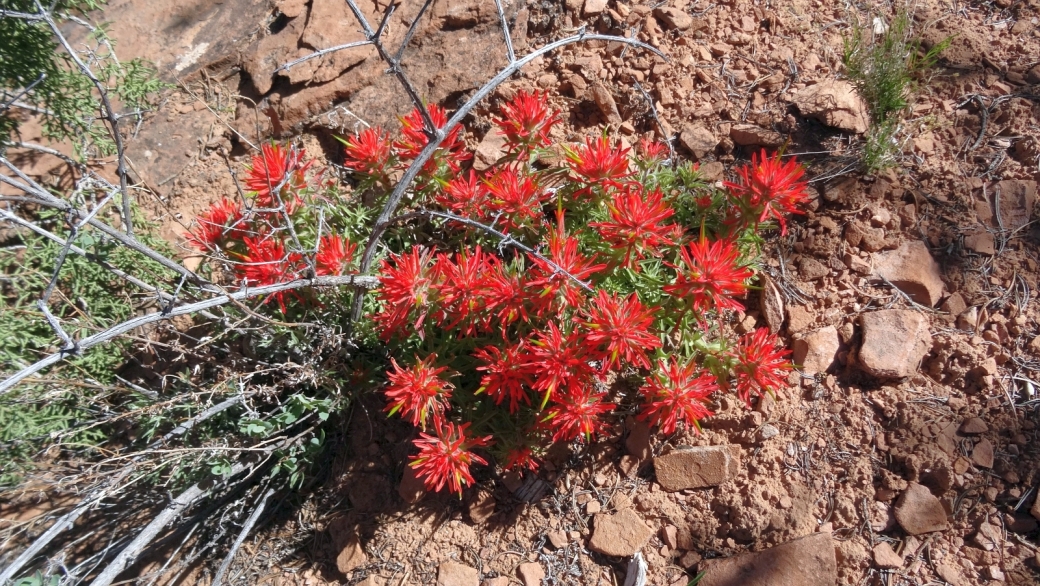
{"points": [[87, 298], [885, 67], [35, 69]]}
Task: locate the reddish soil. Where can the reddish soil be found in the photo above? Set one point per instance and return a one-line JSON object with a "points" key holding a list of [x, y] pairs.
{"points": [[842, 451]]}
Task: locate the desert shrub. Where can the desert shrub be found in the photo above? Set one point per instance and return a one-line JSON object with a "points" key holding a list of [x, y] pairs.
{"points": [[886, 62], [38, 75], [519, 306]]}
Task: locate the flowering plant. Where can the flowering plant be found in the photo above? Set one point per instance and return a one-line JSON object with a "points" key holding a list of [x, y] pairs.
{"points": [[522, 303]]}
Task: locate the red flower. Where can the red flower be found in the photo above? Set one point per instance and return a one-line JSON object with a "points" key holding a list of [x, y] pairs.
{"points": [[711, 277], [414, 139], [576, 414], [335, 253], [652, 151], [266, 263], [419, 393], [462, 287], [520, 458], [506, 294], [518, 199], [507, 375], [678, 393], [623, 327], [222, 222], [409, 283], [557, 362], [636, 225], [444, 459], [273, 168], [769, 188], [465, 196], [570, 265], [761, 364], [368, 152], [597, 163], [527, 121]]}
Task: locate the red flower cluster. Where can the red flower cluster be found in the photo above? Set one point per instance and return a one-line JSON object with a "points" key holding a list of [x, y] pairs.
{"points": [[769, 188], [524, 343]]}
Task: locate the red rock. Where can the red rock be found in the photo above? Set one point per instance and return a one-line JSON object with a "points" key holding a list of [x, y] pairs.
{"points": [[489, 151], [482, 507], [981, 242], [1035, 509], [291, 8], [799, 318], [954, 305], [673, 18], [351, 557], [593, 7], [456, 574], [372, 580], [531, 573], [331, 23], [411, 488], [982, 455], [1017, 198], [807, 561], [815, 351], [637, 444], [771, 304], [886, 557], [621, 534], [605, 102], [755, 135], [670, 536], [835, 103], [697, 467], [947, 570], [499, 581], [894, 342], [557, 538], [973, 426], [912, 269], [918, 511], [593, 507], [698, 140], [269, 53]]}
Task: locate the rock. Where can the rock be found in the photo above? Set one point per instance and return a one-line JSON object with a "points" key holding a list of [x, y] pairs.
{"points": [[331, 23], [954, 305], [411, 488], [482, 507], [637, 444], [621, 534], [456, 574], [815, 351], [771, 304], [768, 431], [857, 264], [605, 102], [885, 557], [698, 140], [351, 557], [499, 581], [811, 269], [918, 511], [982, 455], [531, 573], [835, 103], [799, 318], [1017, 198], [1035, 509], [981, 242], [489, 151], [673, 18], [593, 507], [291, 8], [372, 580], [973, 426], [267, 54], [807, 561], [994, 573], [894, 342], [697, 467], [754, 135], [947, 570], [557, 538], [465, 13], [912, 268], [594, 7], [670, 536]]}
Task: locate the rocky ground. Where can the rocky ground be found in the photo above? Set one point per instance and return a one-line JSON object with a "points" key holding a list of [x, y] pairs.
{"points": [[906, 450]]}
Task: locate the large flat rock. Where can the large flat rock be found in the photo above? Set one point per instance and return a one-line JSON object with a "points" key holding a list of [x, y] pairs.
{"points": [[807, 561], [894, 342]]}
